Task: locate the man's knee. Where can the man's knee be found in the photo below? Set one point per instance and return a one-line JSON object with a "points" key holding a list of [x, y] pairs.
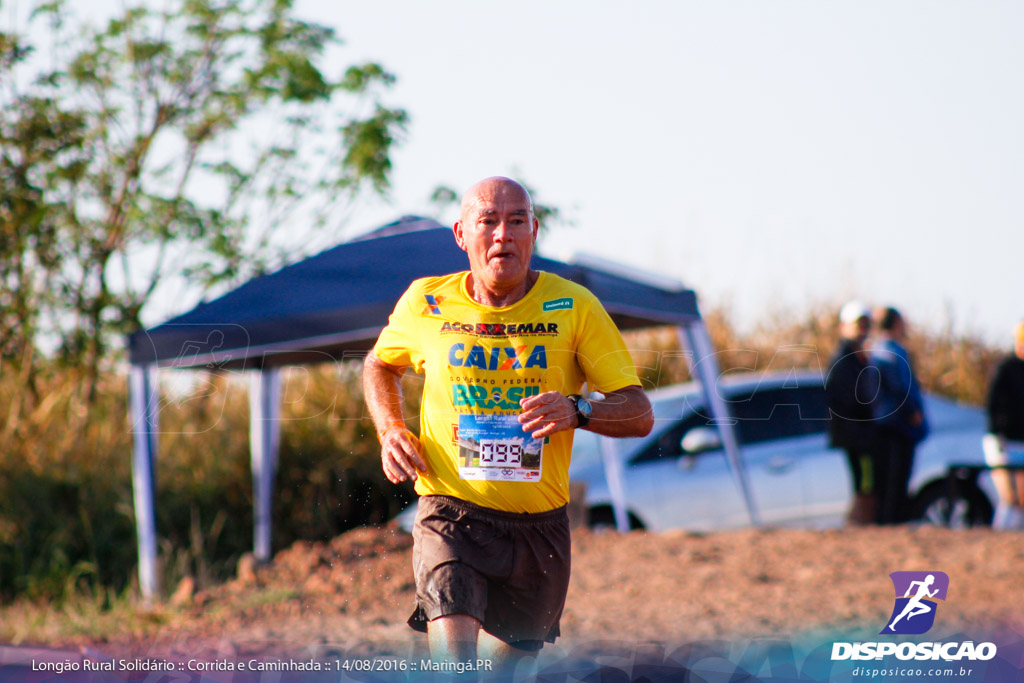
{"points": [[504, 655], [453, 636]]}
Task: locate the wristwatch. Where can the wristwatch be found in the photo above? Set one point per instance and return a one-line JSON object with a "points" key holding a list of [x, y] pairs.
{"points": [[584, 409]]}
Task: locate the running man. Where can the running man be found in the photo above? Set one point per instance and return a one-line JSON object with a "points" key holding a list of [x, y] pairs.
{"points": [[915, 606], [505, 350]]}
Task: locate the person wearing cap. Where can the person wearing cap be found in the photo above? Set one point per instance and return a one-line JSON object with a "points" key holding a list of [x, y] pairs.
{"points": [[850, 390], [1004, 442], [899, 416]]}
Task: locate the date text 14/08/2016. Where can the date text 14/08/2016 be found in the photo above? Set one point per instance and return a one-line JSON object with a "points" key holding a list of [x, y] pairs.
{"points": [[407, 665]]}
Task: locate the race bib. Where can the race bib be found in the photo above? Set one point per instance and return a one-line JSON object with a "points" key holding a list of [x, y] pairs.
{"points": [[495, 448]]}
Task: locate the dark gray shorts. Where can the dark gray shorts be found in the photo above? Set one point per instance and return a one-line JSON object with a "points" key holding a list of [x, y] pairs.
{"points": [[508, 570]]}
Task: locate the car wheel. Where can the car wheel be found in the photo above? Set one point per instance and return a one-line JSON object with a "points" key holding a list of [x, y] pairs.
{"points": [[602, 519], [970, 508]]}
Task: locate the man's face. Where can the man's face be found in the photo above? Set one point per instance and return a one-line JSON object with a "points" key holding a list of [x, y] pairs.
{"points": [[497, 230], [857, 330], [899, 330]]}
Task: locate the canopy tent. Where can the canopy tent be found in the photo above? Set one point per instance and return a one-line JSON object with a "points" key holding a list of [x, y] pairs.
{"points": [[335, 304]]}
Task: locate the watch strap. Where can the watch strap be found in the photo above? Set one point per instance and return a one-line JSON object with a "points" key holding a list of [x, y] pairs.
{"points": [[581, 419]]}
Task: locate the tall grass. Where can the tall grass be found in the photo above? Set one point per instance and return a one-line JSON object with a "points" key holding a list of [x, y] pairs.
{"points": [[66, 508], [66, 514]]}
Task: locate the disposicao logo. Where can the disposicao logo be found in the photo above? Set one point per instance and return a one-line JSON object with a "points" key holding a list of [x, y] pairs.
{"points": [[558, 304], [916, 596], [914, 613]]}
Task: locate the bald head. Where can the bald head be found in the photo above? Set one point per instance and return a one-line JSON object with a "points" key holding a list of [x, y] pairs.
{"points": [[497, 230], [490, 189]]}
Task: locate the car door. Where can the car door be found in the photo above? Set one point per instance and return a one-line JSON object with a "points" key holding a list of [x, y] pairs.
{"points": [[768, 421], [671, 488], [826, 474]]}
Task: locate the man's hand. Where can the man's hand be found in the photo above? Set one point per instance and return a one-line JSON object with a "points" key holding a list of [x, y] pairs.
{"points": [[626, 412], [546, 414], [400, 450], [400, 455]]}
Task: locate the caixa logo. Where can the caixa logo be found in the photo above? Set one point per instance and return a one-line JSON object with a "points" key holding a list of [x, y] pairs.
{"points": [[916, 604]]}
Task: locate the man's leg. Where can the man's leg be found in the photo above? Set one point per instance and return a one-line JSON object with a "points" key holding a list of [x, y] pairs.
{"points": [[885, 475], [862, 506], [897, 463], [1018, 485], [458, 637], [453, 637], [501, 654], [906, 466]]}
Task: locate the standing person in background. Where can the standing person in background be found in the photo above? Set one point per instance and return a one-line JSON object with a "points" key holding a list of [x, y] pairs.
{"points": [[851, 386], [1004, 443], [899, 416]]}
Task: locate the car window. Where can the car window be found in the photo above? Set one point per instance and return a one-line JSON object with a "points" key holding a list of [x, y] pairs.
{"points": [[780, 413], [764, 415], [667, 444]]}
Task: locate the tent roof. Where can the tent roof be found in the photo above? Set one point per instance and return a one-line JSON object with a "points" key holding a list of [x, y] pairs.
{"points": [[336, 302]]}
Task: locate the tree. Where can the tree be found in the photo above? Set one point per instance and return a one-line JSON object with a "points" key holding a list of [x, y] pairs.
{"points": [[168, 148]]}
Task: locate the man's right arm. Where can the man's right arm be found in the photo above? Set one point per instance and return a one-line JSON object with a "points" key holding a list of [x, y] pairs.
{"points": [[400, 450]]}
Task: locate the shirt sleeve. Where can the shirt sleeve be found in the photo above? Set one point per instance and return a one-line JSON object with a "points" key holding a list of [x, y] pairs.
{"points": [[602, 353], [398, 343]]}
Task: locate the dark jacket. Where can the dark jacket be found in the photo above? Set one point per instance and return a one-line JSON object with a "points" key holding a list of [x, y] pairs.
{"points": [[1006, 400], [851, 386], [899, 393]]}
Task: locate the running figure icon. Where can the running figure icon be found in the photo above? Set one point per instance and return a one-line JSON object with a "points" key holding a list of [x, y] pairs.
{"points": [[915, 606]]}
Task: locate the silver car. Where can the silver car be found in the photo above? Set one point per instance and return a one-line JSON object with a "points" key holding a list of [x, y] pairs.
{"points": [[678, 476]]}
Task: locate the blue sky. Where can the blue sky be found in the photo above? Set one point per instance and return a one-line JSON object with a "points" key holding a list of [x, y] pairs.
{"points": [[771, 155]]}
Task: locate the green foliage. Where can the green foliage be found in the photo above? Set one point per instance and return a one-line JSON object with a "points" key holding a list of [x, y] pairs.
{"points": [[168, 148], [65, 492]]}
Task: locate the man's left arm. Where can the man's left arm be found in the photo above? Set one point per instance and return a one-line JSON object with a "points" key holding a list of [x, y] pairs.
{"points": [[622, 413]]}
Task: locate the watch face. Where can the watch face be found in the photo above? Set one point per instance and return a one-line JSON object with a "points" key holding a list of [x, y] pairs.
{"points": [[584, 406]]}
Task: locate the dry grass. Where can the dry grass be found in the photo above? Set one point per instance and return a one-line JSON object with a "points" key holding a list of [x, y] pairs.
{"points": [[952, 364]]}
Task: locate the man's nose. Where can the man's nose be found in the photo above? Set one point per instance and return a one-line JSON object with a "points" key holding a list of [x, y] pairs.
{"points": [[503, 232]]}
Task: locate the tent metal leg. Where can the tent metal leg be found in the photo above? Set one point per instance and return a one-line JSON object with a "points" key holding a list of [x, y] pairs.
{"points": [[264, 442], [616, 483], [145, 430], [704, 366]]}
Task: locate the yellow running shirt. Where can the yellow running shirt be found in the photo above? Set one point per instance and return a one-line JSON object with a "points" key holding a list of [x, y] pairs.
{"points": [[478, 362]]}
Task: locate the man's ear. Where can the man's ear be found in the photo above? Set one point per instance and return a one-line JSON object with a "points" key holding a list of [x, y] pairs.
{"points": [[457, 230], [536, 228]]}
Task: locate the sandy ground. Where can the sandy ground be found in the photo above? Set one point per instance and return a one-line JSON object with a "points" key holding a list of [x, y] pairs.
{"points": [[353, 594]]}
